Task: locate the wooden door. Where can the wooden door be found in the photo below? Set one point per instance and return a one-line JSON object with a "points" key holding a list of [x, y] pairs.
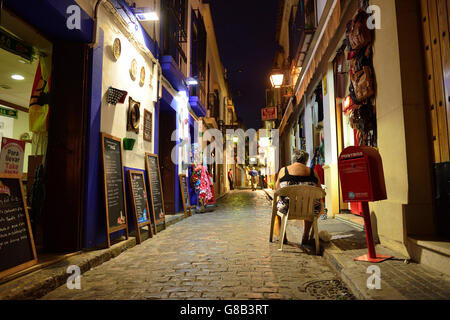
{"points": [[64, 197], [436, 44], [435, 25], [167, 167]]}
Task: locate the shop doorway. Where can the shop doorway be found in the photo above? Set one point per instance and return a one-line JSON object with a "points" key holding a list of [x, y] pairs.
{"points": [[346, 135], [46, 90], [167, 120]]}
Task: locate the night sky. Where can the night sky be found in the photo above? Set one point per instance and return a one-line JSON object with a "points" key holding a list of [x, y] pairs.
{"points": [[245, 32]]}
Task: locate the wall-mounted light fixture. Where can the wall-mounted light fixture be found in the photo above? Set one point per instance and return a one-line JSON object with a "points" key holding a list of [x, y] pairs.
{"points": [[146, 14], [191, 81], [276, 78]]}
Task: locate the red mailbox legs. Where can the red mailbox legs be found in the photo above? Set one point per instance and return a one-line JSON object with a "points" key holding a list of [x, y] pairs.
{"points": [[372, 256]]}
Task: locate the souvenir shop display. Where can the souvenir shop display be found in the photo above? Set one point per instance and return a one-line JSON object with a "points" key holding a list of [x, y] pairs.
{"points": [[361, 104]]}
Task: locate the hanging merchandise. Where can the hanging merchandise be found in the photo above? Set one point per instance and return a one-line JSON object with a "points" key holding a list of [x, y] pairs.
{"points": [[340, 74], [315, 114], [360, 59], [358, 35], [363, 119], [205, 186], [362, 82], [361, 110], [40, 97], [319, 100], [196, 173], [212, 200]]}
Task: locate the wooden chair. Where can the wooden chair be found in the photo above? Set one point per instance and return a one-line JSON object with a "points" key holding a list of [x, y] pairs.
{"points": [[301, 207]]}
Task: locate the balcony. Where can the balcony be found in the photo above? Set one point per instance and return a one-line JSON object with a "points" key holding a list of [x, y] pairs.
{"points": [[210, 122], [172, 73], [303, 26], [229, 104], [197, 99]]}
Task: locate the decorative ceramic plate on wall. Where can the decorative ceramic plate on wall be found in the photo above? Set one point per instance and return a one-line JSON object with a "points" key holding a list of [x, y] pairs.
{"points": [[133, 69], [142, 78], [117, 48]]}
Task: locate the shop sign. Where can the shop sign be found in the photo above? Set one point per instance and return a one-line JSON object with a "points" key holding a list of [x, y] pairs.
{"points": [[8, 113], [325, 85], [11, 156], [269, 113], [15, 46]]}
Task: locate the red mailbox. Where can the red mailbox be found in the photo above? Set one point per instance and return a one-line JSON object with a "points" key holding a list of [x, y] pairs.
{"points": [[361, 174], [362, 180]]}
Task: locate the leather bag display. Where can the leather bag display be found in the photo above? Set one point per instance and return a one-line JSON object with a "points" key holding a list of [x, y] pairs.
{"points": [[362, 82], [358, 35]]}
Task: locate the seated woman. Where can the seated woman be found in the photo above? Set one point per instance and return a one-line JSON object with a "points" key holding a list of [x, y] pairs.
{"points": [[296, 174]]}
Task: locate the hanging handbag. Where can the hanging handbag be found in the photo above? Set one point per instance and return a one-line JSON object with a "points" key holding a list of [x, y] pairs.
{"points": [[358, 35], [362, 82], [361, 58]]}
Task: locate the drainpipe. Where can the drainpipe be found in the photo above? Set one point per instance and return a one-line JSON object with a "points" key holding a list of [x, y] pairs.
{"points": [[93, 44]]}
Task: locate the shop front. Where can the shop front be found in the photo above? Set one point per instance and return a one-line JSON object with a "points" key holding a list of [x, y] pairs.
{"points": [[368, 100], [43, 108], [125, 79]]}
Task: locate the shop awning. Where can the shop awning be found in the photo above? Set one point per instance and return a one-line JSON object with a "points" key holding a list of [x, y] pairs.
{"points": [[318, 50]]}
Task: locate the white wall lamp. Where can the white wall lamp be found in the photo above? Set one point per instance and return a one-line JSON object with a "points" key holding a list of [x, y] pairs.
{"points": [[191, 81], [146, 14]]}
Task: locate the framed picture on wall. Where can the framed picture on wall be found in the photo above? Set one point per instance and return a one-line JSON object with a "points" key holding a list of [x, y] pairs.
{"points": [[148, 122]]}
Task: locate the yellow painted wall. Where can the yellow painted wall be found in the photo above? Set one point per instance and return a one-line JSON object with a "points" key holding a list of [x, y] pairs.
{"points": [[397, 94]]}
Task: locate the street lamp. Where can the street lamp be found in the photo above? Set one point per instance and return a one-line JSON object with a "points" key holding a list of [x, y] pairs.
{"points": [[276, 78]]}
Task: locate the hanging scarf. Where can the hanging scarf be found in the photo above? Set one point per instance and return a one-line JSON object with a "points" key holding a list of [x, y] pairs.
{"points": [[205, 186]]}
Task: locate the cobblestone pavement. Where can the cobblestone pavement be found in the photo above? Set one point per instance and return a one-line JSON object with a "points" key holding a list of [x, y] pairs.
{"points": [[224, 254]]}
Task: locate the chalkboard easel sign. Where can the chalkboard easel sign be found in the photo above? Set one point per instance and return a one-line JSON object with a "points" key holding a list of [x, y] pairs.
{"points": [[185, 195], [115, 204], [156, 192], [17, 249], [141, 213]]}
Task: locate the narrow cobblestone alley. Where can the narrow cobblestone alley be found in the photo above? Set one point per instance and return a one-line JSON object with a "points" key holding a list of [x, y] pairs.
{"points": [[224, 254]]}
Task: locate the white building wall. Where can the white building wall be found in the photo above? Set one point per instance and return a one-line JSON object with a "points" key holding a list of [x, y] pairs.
{"points": [[117, 75]]}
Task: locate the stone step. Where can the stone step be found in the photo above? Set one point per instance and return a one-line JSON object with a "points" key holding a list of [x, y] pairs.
{"points": [[431, 251]]}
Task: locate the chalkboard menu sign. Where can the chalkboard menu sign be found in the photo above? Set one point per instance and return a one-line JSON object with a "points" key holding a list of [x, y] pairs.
{"points": [[17, 250], [154, 181], [185, 195], [141, 213], [116, 210]]}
